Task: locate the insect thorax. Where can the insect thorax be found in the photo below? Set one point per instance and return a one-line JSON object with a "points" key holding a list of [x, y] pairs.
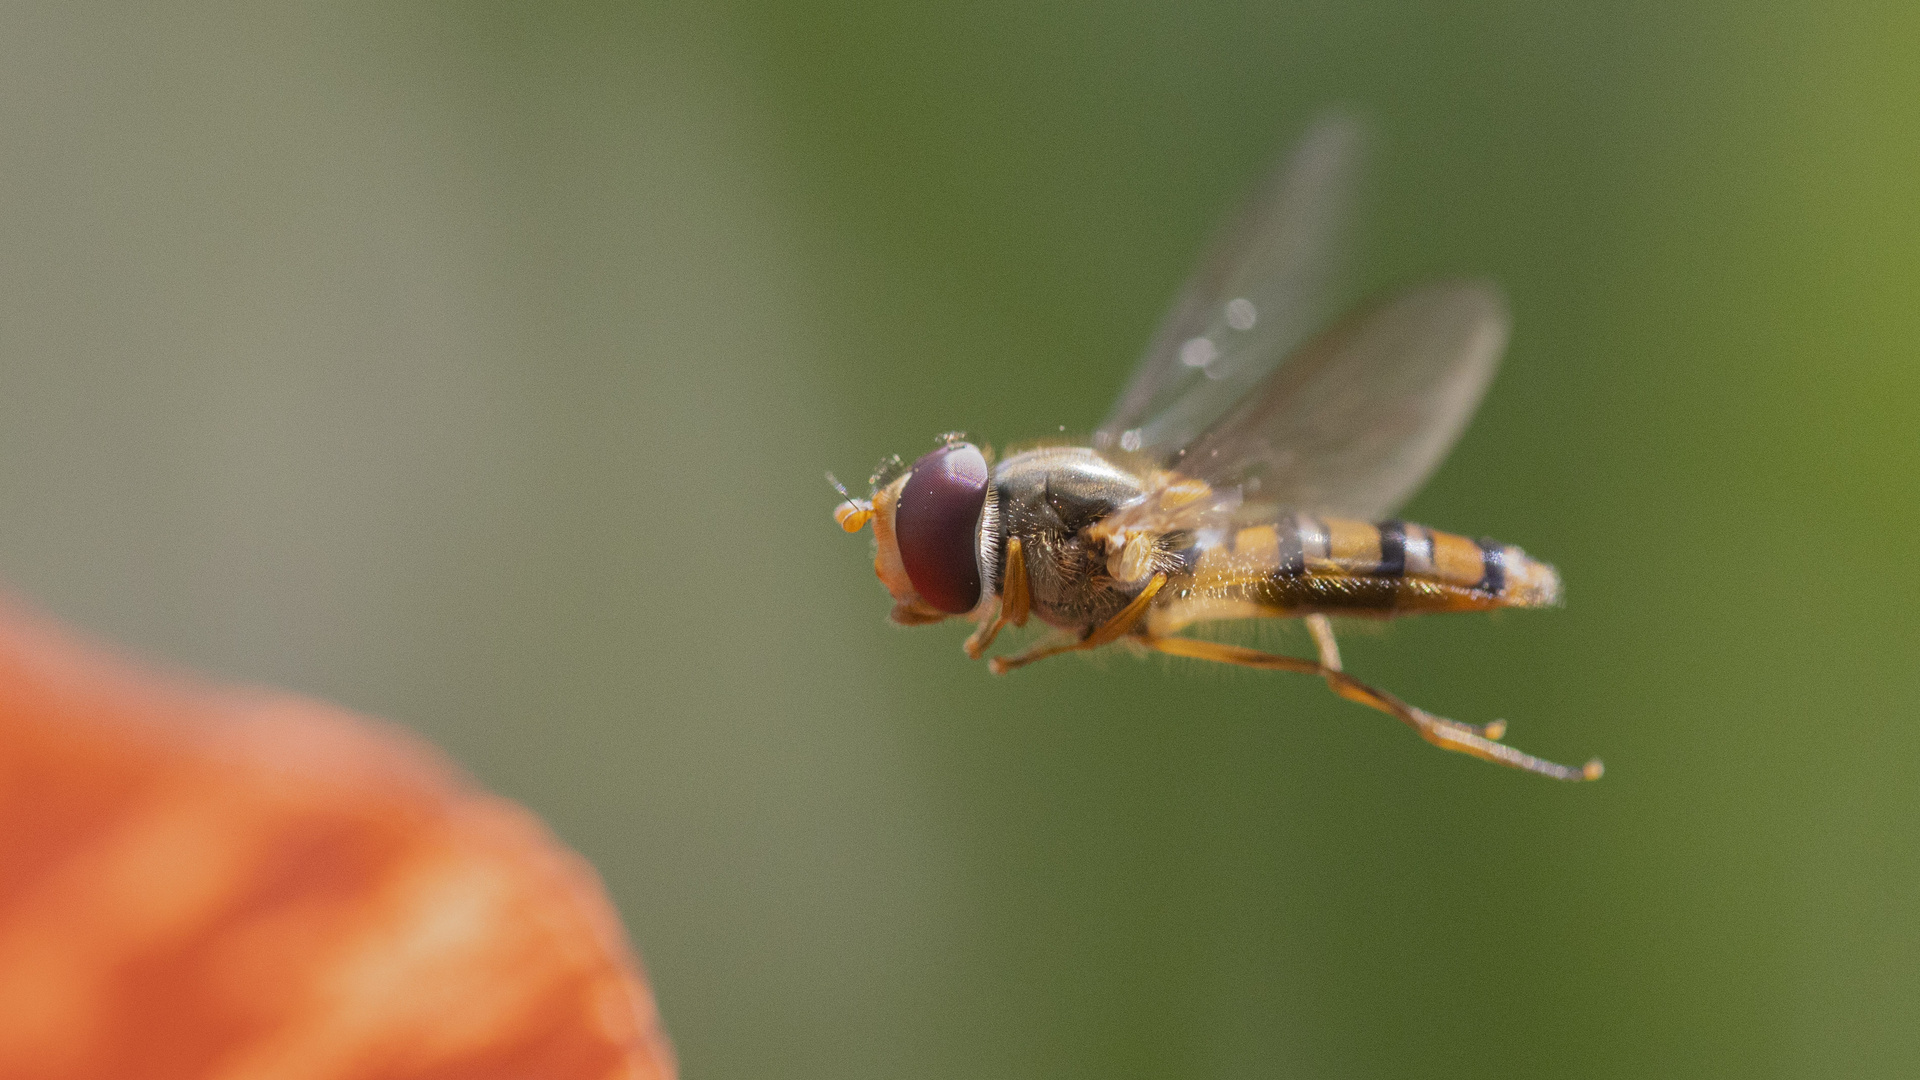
{"points": [[1047, 499]]}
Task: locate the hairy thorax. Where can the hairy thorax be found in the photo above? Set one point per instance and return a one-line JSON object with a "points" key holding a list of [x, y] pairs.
{"points": [[1049, 499]]}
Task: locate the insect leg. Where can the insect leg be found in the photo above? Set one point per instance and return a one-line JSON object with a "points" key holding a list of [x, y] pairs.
{"points": [[1111, 630], [1438, 730], [1016, 602], [1053, 646], [1322, 630], [983, 635], [1016, 596]]}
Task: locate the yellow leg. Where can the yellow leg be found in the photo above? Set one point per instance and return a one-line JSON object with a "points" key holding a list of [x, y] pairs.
{"points": [[1322, 630], [989, 628], [1016, 595], [1438, 730], [1111, 630], [1016, 602]]}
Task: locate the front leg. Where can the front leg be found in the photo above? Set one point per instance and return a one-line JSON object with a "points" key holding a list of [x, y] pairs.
{"points": [[1013, 606]]}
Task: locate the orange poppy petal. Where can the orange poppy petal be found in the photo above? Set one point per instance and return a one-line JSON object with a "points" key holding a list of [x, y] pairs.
{"points": [[204, 882]]}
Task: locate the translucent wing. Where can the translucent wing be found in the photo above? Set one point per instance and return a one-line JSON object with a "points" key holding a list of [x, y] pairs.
{"points": [[1357, 418], [1262, 288]]}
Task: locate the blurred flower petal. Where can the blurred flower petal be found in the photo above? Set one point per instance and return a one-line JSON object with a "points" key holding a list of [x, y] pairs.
{"points": [[201, 882]]}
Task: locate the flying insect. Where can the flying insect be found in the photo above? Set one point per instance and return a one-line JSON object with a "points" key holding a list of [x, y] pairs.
{"points": [[1249, 470]]}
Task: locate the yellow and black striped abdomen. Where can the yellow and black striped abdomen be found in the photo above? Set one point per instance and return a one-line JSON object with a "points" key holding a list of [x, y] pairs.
{"points": [[1307, 565]]}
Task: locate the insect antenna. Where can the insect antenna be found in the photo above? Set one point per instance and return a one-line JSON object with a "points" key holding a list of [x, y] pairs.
{"points": [[852, 514]]}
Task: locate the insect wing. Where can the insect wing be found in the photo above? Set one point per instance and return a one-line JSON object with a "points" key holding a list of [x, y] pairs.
{"points": [[1262, 288], [1357, 419]]}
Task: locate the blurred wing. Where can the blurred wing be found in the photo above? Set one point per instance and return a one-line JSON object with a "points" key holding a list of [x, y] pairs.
{"points": [[1262, 288], [1357, 418]]}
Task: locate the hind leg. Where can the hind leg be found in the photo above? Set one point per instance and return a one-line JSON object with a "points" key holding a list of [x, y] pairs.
{"points": [[1438, 730], [1321, 628]]}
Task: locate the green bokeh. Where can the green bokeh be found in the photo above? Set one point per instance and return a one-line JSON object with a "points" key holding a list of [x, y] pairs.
{"points": [[475, 365]]}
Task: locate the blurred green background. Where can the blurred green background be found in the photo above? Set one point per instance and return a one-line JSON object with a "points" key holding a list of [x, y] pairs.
{"points": [[475, 365]]}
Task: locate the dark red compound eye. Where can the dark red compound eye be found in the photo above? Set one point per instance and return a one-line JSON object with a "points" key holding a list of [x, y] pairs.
{"points": [[934, 525]]}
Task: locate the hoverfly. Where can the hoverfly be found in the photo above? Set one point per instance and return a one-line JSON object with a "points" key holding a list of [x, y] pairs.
{"points": [[1246, 471]]}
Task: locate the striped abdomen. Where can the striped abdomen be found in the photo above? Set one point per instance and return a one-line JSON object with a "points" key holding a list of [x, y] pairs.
{"points": [[1306, 565]]}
